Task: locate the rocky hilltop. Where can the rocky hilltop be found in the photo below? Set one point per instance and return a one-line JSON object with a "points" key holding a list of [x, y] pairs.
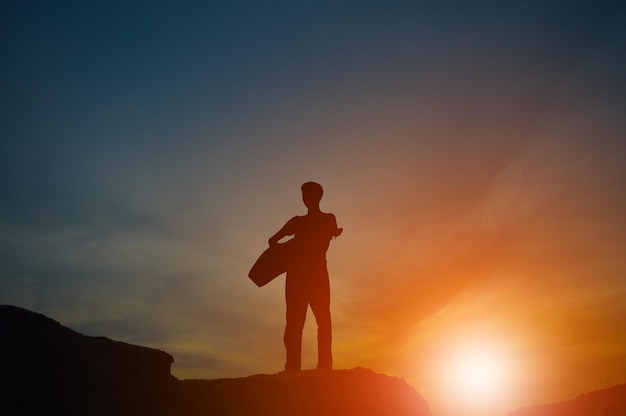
{"points": [[46, 368], [606, 402], [307, 393]]}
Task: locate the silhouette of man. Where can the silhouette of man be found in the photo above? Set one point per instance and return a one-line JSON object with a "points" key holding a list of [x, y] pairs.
{"points": [[307, 277]]}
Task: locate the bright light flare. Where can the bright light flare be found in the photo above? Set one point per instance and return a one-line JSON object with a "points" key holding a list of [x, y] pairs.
{"points": [[478, 375]]}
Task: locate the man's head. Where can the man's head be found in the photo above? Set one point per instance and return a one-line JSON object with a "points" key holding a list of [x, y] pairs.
{"points": [[311, 193]]}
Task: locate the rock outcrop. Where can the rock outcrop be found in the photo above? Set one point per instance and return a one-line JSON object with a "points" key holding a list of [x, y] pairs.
{"points": [[46, 368], [606, 402], [306, 393]]}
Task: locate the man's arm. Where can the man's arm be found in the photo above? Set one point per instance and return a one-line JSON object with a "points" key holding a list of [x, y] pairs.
{"points": [[337, 231], [283, 232]]}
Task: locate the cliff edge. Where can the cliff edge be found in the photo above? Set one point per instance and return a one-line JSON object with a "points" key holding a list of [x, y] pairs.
{"points": [[46, 367]]}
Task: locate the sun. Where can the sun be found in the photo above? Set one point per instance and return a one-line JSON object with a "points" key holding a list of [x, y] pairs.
{"points": [[478, 374]]}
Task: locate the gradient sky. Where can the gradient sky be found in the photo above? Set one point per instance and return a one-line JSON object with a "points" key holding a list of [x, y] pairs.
{"points": [[473, 152]]}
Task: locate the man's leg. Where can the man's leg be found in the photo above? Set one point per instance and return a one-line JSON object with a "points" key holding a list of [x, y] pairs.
{"points": [[320, 305], [296, 314]]}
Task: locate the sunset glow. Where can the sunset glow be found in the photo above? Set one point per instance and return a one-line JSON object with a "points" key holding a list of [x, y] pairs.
{"points": [[480, 370], [478, 375]]}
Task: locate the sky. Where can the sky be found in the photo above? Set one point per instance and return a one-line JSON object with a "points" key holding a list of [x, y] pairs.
{"points": [[472, 151]]}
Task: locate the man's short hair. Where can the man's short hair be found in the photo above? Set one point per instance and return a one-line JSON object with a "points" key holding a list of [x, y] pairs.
{"points": [[313, 189]]}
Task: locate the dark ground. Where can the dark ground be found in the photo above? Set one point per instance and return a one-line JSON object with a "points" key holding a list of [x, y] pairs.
{"points": [[47, 368]]}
